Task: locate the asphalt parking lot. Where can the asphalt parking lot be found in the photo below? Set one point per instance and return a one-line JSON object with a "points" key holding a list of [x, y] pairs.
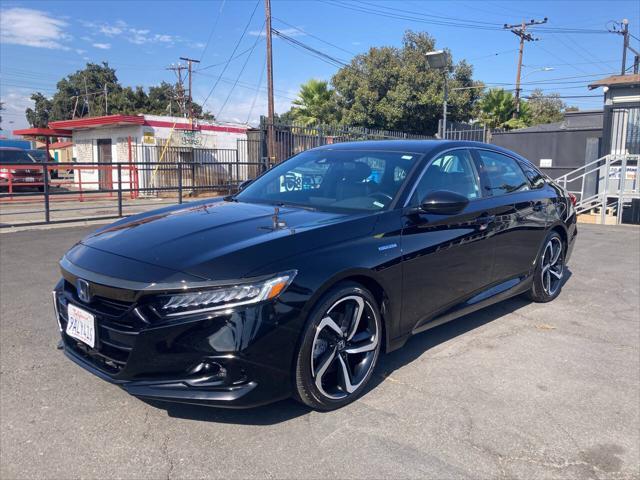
{"points": [[519, 390]]}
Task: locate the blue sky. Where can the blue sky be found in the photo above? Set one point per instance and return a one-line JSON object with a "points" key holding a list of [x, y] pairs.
{"points": [[42, 41]]}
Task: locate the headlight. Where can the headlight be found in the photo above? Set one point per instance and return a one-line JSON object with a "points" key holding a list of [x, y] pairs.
{"points": [[226, 296]]}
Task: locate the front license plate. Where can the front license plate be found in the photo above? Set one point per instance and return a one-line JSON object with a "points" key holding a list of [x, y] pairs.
{"points": [[29, 179], [81, 325]]}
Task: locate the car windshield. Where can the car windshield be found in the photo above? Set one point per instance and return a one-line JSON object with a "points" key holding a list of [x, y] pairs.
{"points": [[333, 179], [14, 156]]}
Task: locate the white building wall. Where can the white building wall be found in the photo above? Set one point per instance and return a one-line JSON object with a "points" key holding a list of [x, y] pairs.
{"points": [[172, 129], [86, 151]]}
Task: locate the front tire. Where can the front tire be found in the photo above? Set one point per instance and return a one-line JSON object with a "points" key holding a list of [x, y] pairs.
{"points": [[340, 348], [549, 273]]}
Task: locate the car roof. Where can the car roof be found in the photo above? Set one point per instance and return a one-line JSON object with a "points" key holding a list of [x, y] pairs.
{"points": [[413, 146], [13, 149]]}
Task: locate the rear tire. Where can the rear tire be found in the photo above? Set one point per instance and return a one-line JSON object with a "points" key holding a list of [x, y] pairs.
{"points": [[548, 276], [339, 349]]}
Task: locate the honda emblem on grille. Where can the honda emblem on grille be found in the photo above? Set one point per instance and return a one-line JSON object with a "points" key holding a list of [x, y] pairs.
{"points": [[83, 290]]}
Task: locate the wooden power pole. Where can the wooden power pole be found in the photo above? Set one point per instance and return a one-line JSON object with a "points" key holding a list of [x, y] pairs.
{"points": [[270, 109], [520, 30], [190, 62]]}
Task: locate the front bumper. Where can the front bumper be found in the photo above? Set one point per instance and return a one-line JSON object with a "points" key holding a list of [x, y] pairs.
{"points": [[237, 358]]}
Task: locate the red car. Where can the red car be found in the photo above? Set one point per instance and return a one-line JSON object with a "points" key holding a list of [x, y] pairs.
{"points": [[13, 172]]}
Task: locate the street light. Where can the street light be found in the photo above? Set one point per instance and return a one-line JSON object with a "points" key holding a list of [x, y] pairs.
{"points": [[543, 69], [440, 60]]}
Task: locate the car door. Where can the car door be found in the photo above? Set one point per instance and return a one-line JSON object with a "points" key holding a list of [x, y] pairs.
{"points": [[520, 208], [446, 258]]}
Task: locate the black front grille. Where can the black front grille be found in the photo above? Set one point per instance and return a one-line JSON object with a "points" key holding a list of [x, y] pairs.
{"points": [[117, 326]]}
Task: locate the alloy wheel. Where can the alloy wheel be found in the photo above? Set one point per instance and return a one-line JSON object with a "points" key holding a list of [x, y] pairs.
{"points": [[344, 347], [552, 266]]}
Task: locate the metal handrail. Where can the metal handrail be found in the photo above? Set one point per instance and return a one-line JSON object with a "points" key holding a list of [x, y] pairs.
{"points": [[602, 167]]}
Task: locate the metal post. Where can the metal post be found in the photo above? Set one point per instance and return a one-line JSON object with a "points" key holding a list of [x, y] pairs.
{"points": [[119, 189], [603, 212], [444, 103], [180, 183], [622, 185], [45, 179]]}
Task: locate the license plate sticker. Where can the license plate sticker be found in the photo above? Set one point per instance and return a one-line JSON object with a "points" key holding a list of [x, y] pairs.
{"points": [[81, 325]]}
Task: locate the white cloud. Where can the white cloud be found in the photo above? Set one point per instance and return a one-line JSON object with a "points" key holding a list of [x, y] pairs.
{"points": [[290, 32], [137, 36], [102, 46], [32, 28], [15, 102]]}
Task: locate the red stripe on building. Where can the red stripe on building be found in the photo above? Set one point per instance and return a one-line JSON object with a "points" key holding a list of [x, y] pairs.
{"points": [[98, 121], [186, 126]]}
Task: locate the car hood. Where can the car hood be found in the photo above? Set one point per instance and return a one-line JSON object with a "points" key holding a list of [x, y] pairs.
{"points": [[217, 240]]}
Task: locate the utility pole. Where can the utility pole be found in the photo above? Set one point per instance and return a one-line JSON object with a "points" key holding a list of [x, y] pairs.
{"points": [[178, 69], [622, 28], [270, 109], [520, 30], [106, 100], [190, 62], [625, 45]]}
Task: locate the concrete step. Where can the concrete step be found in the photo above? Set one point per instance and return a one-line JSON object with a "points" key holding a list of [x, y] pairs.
{"points": [[596, 219]]}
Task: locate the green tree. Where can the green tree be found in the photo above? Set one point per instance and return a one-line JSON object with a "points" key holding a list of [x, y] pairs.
{"points": [[545, 108], [394, 88], [315, 104], [82, 94], [40, 114]]}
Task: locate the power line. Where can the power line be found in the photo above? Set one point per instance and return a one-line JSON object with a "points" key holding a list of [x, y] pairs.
{"points": [[425, 15], [235, 49], [258, 85], [247, 86], [314, 36], [244, 65], [213, 29], [323, 56], [242, 53]]}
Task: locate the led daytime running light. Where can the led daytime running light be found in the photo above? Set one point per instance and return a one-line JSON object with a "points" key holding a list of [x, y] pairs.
{"points": [[228, 296]]}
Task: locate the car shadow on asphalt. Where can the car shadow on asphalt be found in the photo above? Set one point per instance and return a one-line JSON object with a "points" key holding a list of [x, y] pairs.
{"points": [[416, 346]]}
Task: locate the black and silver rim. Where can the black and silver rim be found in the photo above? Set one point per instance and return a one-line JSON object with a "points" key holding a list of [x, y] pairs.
{"points": [[552, 266], [344, 347]]}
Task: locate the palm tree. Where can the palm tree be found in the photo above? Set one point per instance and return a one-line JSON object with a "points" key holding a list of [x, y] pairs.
{"points": [[497, 108], [315, 104]]}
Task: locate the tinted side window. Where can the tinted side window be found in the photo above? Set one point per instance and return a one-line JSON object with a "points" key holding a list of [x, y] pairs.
{"points": [[502, 173], [14, 156], [452, 171], [535, 177]]}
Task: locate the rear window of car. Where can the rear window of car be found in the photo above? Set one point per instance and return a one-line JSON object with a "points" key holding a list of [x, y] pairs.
{"points": [[14, 156], [503, 173]]}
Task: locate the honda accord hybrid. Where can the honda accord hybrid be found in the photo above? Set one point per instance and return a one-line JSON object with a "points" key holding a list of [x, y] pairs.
{"points": [[298, 283]]}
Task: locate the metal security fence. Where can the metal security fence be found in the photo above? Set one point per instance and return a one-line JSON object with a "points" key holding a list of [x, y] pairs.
{"points": [[471, 133], [292, 138], [96, 191]]}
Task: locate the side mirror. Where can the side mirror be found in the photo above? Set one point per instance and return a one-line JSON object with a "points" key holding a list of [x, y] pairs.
{"points": [[244, 185], [443, 202]]}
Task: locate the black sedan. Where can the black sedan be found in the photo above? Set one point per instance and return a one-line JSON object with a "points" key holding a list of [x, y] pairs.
{"points": [[296, 285]]}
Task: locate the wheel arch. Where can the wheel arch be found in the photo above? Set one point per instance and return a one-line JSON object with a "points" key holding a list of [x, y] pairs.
{"points": [[562, 231], [371, 282]]}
